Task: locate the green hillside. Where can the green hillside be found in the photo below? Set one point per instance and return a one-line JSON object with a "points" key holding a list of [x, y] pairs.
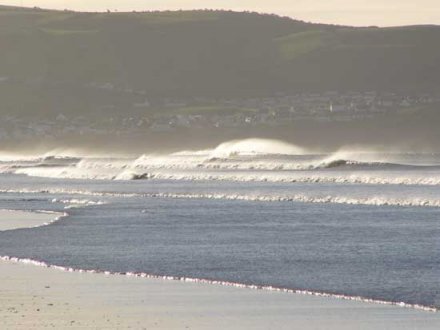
{"points": [[49, 59]]}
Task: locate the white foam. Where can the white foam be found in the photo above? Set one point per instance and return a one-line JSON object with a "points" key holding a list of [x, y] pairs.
{"points": [[303, 198], [247, 160], [238, 172], [379, 200], [76, 203], [397, 178], [256, 147]]}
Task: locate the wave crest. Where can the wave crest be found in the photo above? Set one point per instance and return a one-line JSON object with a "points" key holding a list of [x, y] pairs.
{"points": [[255, 147]]}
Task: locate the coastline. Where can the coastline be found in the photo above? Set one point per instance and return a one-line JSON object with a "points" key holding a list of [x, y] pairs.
{"points": [[38, 297], [35, 295], [15, 219]]}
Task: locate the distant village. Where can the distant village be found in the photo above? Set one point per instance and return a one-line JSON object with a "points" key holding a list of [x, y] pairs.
{"points": [[169, 114]]}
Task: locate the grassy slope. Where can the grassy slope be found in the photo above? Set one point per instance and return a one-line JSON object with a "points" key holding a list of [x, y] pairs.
{"points": [[200, 53]]}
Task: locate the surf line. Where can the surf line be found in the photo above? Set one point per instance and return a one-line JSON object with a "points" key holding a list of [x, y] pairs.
{"points": [[297, 198], [222, 283], [56, 216]]}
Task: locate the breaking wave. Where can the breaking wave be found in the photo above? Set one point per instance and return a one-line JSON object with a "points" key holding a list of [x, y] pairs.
{"points": [[371, 200], [338, 172], [242, 160], [76, 203], [361, 178], [303, 198], [256, 147]]}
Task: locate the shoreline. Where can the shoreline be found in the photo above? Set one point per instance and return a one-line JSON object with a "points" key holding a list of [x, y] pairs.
{"points": [[18, 219], [37, 297], [221, 283], [103, 299]]}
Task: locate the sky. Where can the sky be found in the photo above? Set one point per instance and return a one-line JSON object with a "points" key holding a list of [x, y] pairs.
{"points": [[347, 12]]}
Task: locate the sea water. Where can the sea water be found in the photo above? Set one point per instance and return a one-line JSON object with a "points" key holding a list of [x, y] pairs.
{"points": [[350, 224]]}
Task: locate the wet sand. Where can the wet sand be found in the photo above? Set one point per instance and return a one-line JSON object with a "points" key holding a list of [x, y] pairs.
{"points": [[10, 220], [33, 297]]}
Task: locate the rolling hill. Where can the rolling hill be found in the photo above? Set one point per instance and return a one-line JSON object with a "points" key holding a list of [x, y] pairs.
{"points": [[49, 59]]}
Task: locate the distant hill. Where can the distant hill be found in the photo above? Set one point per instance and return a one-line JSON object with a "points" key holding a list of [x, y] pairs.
{"points": [[47, 58]]}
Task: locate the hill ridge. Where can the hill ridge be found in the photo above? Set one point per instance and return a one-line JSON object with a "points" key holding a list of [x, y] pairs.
{"points": [[49, 59]]}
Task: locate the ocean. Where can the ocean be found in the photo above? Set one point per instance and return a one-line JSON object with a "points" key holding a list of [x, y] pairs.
{"points": [[354, 224]]}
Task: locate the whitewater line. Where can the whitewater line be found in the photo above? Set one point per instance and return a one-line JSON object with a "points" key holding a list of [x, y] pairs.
{"points": [[374, 201], [299, 198], [313, 178]]}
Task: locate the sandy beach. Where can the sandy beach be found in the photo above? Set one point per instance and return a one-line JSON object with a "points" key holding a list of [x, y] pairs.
{"points": [[20, 219], [33, 297]]}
